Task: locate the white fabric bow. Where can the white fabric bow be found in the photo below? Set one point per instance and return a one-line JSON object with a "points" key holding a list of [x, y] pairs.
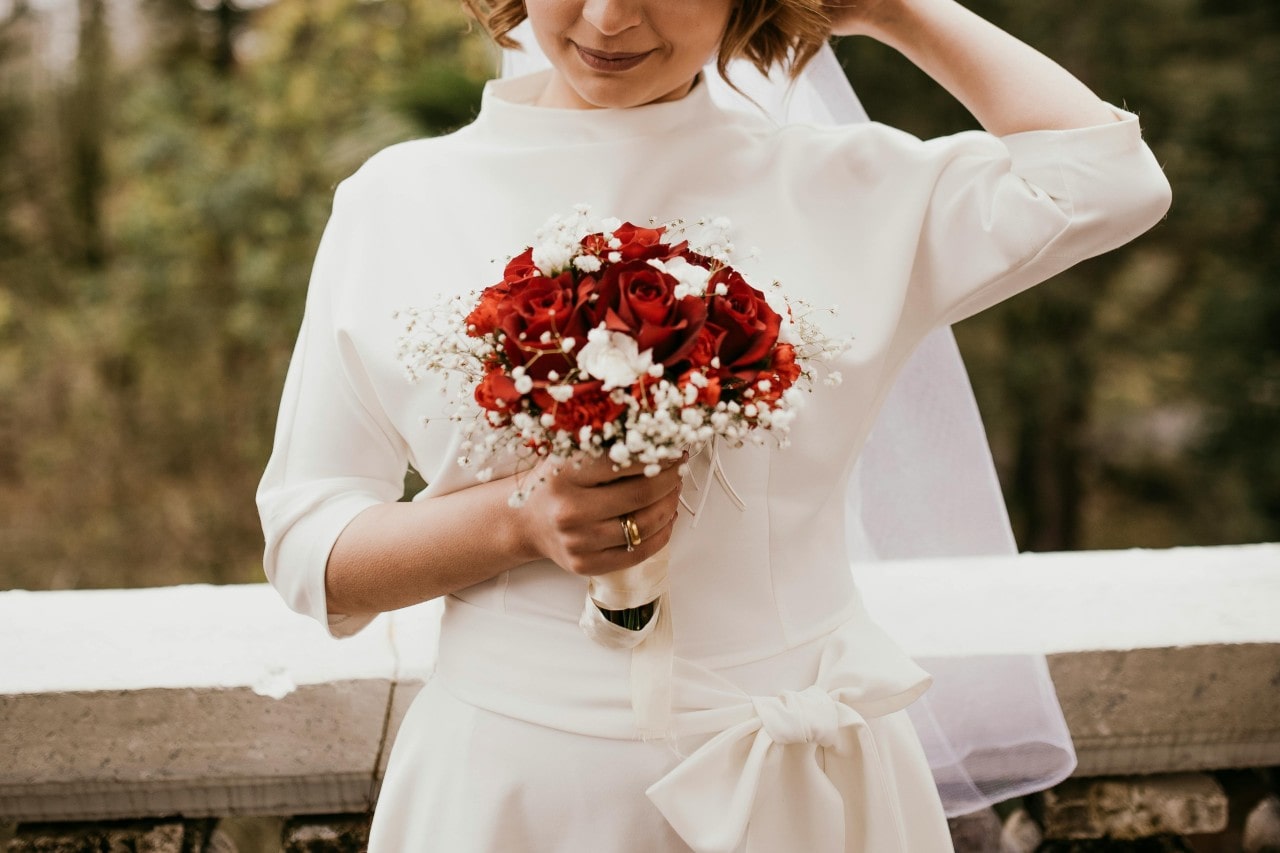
{"points": [[772, 779]]}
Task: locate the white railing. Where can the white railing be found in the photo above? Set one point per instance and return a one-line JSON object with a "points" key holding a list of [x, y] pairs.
{"points": [[211, 701]]}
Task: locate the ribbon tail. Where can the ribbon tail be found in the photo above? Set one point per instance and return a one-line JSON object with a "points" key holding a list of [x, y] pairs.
{"points": [[652, 647], [651, 665], [723, 479], [713, 459], [857, 765], [703, 489], [708, 798], [715, 471]]}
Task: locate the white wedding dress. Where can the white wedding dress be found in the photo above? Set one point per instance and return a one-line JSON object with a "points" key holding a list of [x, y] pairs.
{"points": [[789, 701]]}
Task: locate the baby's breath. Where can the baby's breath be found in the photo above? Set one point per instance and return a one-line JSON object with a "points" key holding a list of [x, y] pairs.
{"points": [[661, 416]]}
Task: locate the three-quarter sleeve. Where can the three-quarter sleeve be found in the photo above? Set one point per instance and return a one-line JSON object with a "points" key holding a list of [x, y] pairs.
{"points": [[336, 453], [1007, 213]]}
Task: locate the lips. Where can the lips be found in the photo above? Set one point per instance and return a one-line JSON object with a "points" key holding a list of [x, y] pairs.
{"points": [[602, 60]]}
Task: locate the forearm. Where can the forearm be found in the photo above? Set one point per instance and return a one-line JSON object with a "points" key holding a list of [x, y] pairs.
{"points": [[397, 554], [1007, 85]]}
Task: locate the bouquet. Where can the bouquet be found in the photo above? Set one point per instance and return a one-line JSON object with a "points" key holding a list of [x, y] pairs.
{"points": [[615, 340]]}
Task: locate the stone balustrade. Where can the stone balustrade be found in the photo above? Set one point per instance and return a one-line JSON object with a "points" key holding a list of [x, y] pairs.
{"points": [[121, 709]]}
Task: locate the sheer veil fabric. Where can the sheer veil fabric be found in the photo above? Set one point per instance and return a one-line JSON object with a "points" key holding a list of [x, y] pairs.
{"points": [[925, 486]]}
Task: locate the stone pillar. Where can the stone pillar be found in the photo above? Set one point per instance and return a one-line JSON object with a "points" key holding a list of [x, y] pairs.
{"points": [[1134, 807], [978, 832], [1262, 827], [163, 835], [1021, 833], [1157, 844], [343, 833]]}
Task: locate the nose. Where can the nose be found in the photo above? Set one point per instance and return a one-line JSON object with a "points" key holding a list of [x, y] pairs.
{"points": [[611, 17]]}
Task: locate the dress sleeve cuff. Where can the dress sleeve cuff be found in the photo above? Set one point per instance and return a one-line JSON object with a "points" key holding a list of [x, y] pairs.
{"points": [[297, 566], [1038, 155]]}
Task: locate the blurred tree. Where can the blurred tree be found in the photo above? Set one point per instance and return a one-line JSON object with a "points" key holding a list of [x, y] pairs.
{"points": [[86, 123], [159, 211], [178, 233]]}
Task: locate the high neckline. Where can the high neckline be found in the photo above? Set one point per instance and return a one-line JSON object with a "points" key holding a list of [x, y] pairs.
{"points": [[508, 109]]}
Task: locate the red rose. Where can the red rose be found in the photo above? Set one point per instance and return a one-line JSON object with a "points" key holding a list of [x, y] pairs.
{"points": [[496, 391], [484, 318], [781, 374], [708, 393], [634, 244], [589, 406], [750, 325], [536, 306], [520, 267], [596, 244], [641, 244], [699, 260], [635, 298], [784, 365], [487, 316], [705, 346]]}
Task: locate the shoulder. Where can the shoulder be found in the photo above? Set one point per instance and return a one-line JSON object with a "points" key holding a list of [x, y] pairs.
{"points": [[871, 151], [404, 168]]}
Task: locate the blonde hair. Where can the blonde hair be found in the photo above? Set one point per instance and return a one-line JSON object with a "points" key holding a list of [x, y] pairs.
{"points": [[766, 33]]}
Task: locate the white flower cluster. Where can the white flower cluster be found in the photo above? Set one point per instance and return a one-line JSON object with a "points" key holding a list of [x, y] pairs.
{"points": [[615, 359], [557, 243], [645, 435], [435, 340], [691, 277]]}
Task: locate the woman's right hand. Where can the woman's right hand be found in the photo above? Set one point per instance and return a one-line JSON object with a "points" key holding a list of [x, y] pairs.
{"points": [[857, 17], [574, 516]]}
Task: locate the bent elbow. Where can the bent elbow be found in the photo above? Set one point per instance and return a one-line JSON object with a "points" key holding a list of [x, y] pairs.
{"points": [[1137, 199], [1152, 198]]}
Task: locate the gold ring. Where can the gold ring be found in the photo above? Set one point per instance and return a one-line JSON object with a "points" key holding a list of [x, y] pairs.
{"points": [[630, 530]]}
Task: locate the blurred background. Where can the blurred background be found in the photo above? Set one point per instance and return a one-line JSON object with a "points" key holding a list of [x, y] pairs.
{"points": [[167, 166]]}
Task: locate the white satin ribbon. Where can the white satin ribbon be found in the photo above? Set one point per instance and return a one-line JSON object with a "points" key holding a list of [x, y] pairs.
{"points": [[774, 780], [652, 647], [715, 469]]}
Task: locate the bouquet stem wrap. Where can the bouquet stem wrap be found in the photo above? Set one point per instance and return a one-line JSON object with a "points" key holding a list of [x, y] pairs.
{"points": [[652, 647]]}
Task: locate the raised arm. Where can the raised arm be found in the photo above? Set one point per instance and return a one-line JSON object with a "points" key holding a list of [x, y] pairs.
{"points": [[1008, 86]]}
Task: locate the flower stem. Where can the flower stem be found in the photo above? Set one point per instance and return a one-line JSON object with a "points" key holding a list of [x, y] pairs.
{"points": [[633, 618]]}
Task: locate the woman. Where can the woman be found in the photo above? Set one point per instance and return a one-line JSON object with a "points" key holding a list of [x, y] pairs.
{"points": [[789, 730]]}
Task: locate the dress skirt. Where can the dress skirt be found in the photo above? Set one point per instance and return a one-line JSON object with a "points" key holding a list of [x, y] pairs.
{"points": [[781, 754]]}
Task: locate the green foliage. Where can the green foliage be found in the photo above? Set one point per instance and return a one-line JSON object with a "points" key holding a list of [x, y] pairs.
{"points": [[153, 282], [159, 211]]}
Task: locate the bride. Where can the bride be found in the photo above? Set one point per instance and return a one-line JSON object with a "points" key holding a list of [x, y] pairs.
{"points": [[788, 727]]}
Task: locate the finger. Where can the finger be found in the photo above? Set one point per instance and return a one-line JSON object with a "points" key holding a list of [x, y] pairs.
{"points": [[586, 471], [595, 472], [649, 521], [602, 546], [620, 497], [618, 557], [655, 534]]}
